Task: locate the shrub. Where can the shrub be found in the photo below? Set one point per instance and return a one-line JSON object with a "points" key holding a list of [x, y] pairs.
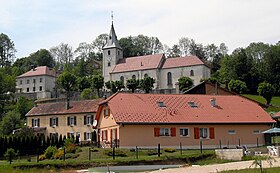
{"points": [[10, 154], [71, 148], [94, 150], [152, 152], [68, 141], [50, 151], [42, 157], [169, 150], [118, 152], [71, 155], [59, 154]]}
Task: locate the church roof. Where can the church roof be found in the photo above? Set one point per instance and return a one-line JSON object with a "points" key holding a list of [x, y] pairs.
{"points": [[39, 71], [138, 63], [168, 108], [112, 41], [182, 62]]}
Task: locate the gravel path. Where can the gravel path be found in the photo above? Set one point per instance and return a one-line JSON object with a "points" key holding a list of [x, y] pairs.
{"points": [[218, 167]]}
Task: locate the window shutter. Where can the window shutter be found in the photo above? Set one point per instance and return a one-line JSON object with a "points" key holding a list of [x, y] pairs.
{"points": [[68, 121], [50, 122], [56, 121], [32, 122], [75, 120], [85, 120], [85, 135], [156, 132], [196, 133], [38, 122], [212, 133], [173, 131]]}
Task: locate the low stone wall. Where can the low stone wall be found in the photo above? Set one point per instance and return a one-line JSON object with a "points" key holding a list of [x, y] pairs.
{"points": [[229, 154]]}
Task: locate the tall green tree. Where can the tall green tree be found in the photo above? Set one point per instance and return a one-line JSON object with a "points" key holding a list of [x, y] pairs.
{"points": [[7, 50], [63, 54], [83, 83], [10, 122], [68, 82], [267, 91], [23, 106], [147, 84], [42, 58], [97, 83], [132, 84], [185, 83], [237, 86]]}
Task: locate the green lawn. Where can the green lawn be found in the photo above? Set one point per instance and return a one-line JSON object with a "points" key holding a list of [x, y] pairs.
{"points": [[255, 170], [275, 102]]}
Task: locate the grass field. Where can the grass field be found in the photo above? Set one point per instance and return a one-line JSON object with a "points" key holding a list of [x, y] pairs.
{"points": [[275, 102], [255, 170]]}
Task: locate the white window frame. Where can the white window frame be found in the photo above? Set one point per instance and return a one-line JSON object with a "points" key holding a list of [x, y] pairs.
{"points": [[88, 136], [164, 132], [182, 129], [88, 120], [231, 132], [72, 121], [35, 122], [256, 131], [204, 133]]}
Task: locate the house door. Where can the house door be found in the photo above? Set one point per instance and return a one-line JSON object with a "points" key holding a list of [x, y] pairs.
{"points": [[94, 136]]}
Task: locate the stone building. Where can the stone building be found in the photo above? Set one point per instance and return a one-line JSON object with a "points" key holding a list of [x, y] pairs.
{"points": [[166, 71]]}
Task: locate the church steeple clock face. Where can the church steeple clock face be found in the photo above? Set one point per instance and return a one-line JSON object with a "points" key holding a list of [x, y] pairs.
{"points": [[109, 58]]}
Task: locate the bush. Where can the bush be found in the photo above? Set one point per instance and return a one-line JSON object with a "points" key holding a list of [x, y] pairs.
{"points": [[10, 154], [42, 157], [169, 150], [152, 152], [94, 150], [68, 141], [71, 155], [50, 151], [118, 152], [71, 148], [59, 154]]}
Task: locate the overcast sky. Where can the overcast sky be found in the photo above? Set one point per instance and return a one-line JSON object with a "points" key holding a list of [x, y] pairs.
{"points": [[37, 24]]}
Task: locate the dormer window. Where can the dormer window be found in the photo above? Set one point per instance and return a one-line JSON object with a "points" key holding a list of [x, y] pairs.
{"points": [[192, 104], [161, 104]]}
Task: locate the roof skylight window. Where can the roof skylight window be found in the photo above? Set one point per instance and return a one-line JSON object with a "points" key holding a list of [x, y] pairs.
{"points": [[161, 104], [192, 104]]}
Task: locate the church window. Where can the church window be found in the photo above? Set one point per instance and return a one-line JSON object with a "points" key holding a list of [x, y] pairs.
{"points": [[145, 75], [118, 52], [109, 52], [110, 37], [109, 64], [191, 73], [133, 77], [122, 79], [169, 78]]}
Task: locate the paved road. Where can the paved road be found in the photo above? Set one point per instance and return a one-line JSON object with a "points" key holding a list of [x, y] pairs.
{"points": [[218, 167]]}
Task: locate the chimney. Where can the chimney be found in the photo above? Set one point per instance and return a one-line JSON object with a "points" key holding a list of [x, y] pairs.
{"points": [[213, 102], [33, 67], [67, 103]]}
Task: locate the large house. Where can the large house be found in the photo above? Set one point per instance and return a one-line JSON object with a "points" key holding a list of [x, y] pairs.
{"points": [[55, 119], [39, 81], [166, 71], [146, 120]]}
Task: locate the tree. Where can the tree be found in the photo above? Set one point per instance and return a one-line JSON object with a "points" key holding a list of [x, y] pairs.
{"points": [[99, 42], [10, 154], [23, 106], [84, 50], [185, 83], [237, 86], [63, 54], [175, 51], [87, 94], [68, 82], [97, 82], [114, 86], [132, 84], [10, 122], [7, 50], [83, 83], [42, 58], [184, 44], [147, 84], [267, 91]]}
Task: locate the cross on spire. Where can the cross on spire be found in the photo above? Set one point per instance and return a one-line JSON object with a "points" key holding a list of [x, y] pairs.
{"points": [[112, 16]]}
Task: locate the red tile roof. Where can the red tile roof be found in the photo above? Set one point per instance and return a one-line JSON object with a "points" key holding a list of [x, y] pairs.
{"points": [[39, 71], [143, 108], [138, 63], [182, 62], [85, 106]]}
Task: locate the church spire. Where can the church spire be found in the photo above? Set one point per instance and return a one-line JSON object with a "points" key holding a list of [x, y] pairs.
{"points": [[112, 41]]}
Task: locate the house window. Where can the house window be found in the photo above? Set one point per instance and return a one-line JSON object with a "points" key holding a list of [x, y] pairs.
{"points": [[41, 80], [109, 52], [203, 133], [27, 81], [231, 132], [36, 122], [20, 82], [88, 119], [40, 88], [191, 73], [164, 132], [133, 77], [109, 64], [34, 89], [27, 89], [70, 135], [161, 104], [71, 121], [256, 132], [34, 80], [53, 121], [87, 136], [104, 135], [122, 79], [106, 112], [169, 78], [184, 132]]}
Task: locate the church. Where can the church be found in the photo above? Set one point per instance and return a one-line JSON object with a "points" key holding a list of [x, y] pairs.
{"points": [[165, 71]]}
